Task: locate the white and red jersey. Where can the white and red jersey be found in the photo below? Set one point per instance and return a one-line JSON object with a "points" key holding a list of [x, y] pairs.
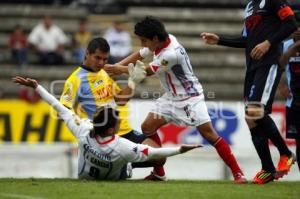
{"points": [[174, 69], [102, 158], [105, 158]]}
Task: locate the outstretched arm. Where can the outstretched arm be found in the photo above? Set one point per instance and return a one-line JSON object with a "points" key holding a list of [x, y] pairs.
{"points": [[46, 96], [214, 39], [121, 67], [284, 89], [139, 152], [77, 127], [157, 153]]}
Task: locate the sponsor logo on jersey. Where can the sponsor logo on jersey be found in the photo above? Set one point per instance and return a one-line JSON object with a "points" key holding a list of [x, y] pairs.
{"points": [[145, 151], [295, 59], [67, 95], [135, 149], [97, 83], [164, 62]]}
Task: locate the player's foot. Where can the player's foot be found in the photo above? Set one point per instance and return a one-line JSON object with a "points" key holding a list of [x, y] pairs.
{"points": [[239, 178], [284, 165], [263, 177], [154, 177]]}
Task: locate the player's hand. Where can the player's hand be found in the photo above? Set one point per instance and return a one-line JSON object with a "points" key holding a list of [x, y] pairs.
{"points": [[137, 73], [285, 92], [260, 50], [210, 38], [185, 148], [115, 69], [25, 81]]}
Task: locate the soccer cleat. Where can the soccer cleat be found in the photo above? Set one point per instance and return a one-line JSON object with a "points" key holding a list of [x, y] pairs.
{"points": [[284, 165], [239, 178], [263, 177], [154, 177]]}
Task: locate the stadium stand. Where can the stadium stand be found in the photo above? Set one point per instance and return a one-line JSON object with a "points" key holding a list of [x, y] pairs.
{"points": [[220, 70]]}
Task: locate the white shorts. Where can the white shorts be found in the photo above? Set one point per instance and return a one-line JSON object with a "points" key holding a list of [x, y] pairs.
{"points": [[189, 112]]}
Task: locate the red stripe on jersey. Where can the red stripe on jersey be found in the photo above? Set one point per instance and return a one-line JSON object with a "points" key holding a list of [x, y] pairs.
{"points": [[171, 83], [285, 12], [145, 151], [166, 44], [106, 142], [154, 68]]}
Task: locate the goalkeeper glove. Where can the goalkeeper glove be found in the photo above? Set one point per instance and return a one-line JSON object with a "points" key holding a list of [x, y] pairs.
{"points": [[136, 73]]}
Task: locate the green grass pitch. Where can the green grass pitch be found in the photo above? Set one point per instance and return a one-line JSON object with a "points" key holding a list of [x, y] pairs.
{"points": [[173, 189]]}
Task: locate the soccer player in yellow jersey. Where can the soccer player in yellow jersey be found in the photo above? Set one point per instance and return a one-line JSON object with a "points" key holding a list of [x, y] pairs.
{"points": [[89, 88]]}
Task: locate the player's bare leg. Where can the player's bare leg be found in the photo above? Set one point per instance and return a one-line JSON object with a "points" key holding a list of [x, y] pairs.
{"points": [[223, 149], [149, 128]]}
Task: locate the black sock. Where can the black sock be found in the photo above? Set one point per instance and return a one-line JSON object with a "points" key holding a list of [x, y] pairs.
{"points": [[260, 142], [269, 127], [298, 152]]}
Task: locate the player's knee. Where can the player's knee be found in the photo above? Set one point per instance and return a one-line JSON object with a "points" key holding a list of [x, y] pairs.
{"points": [[265, 122], [254, 111], [147, 129]]}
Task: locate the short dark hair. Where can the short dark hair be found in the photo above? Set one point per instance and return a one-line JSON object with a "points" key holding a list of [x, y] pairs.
{"points": [[297, 16], [149, 27], [98, 43], [105, 119]]}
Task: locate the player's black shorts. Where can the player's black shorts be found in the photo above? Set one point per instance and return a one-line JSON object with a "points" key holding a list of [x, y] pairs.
{"points": [[135, 136], [261, 84], [292, 123]]}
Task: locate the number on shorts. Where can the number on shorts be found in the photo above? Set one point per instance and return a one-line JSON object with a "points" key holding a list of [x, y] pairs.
{"points": [[94, 172]]}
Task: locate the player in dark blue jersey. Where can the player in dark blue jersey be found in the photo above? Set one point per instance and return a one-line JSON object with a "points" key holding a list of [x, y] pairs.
{"points": [[290, 89], [267, 23]]}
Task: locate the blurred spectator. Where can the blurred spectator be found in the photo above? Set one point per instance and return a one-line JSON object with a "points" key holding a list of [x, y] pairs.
{"points": [[18, 45], [81, 39], [49, 41], [119, 41]]}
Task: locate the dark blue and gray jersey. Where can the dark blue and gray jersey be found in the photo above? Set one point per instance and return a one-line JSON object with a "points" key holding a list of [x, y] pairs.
{"points": [[293, 76]]}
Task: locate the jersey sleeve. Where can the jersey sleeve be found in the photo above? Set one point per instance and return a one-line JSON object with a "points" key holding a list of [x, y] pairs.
{"points": [[165, 62], [70, 92], [282, 9], [78, 127], [145, 53], [134, 152], [288, 25]]}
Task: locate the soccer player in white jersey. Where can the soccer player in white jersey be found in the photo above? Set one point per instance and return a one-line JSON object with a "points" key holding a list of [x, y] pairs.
{"points": [[183, 101], [102, 153]]}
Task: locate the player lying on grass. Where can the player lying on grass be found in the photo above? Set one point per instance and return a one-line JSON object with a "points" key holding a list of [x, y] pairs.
{"points": [[102, 154]]}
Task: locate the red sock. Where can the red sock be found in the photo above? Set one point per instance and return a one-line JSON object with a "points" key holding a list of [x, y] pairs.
{"points": [[225, 153], [159, 170]]}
